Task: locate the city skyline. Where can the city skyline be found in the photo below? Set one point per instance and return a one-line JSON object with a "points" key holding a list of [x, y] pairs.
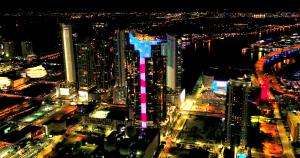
{"points": [[155, 4], [128, 80]]}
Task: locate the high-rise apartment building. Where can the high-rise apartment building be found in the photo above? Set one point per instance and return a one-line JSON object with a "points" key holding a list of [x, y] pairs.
{"points": [[157, 84], [237, 118], [85, 65], [120, 43], [171, 60], [103, 66], [103, 56], [132, 82], [144, 65], [69, 60], [174, 63], [120, 63], [152, 77], [179, 69]]}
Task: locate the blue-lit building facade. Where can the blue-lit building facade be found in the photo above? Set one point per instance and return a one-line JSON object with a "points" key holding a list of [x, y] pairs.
{"points": [[129, 47], [151, 93], [154, 81]]}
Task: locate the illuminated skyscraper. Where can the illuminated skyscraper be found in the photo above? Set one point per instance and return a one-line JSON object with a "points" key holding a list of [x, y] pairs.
{"points": [[143, 46], [132, 82], [157, 84], [85, 65], [152, 70], [171, 60], [120, 59], [174, 63], [140, 67], [120, 77], [68, 53], [103, 67], [103, 55], [237, 118], [179, 70]]}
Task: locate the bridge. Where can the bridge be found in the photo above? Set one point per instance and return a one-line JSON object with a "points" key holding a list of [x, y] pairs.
{"points": [[260, 71]]}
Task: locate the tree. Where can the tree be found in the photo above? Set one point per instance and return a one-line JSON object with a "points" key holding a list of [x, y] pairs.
{"points": [[110, 146], [130, 131], [124, 148]]}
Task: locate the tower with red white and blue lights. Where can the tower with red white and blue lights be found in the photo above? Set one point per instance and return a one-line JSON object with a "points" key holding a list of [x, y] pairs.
{"points": [[142, 44]]}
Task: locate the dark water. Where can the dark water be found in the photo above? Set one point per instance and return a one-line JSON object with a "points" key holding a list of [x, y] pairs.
{"points": [[226, 55], [199, 57]]}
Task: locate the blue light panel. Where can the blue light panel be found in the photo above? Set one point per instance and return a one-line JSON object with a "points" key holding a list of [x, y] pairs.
{"points": [[143, 46], [241, 156]]}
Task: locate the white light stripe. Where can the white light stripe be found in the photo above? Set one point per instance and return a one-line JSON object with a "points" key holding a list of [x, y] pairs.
{"points": [[143, 77], [142, 61], [143, 90], [143, 106], [144, 124]]}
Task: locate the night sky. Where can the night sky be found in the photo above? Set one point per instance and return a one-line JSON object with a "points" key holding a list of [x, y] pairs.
{"points": [[154, 4]]}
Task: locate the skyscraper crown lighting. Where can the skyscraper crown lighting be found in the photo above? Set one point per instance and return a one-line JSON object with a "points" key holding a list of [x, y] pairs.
{"points": [[143, 43]]}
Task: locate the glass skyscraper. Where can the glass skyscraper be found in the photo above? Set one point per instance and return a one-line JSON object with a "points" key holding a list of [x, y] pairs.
{"points": [[237, 118], [85, 63]]}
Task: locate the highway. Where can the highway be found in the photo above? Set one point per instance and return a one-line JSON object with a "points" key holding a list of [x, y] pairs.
{"points": [[259, 68]]}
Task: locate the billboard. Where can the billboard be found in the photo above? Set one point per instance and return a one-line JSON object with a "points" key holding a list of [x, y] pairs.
{"points": [[219, 87], [83, 96], [64, 91]]}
